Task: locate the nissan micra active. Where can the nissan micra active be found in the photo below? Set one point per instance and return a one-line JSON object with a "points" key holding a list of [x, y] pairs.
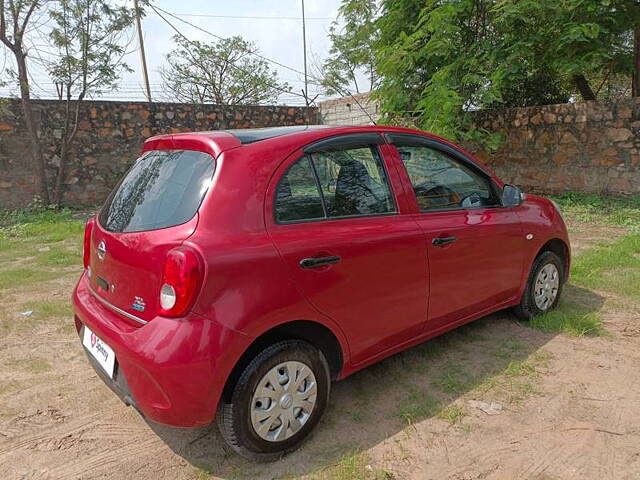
{"points": [[235, 274]]}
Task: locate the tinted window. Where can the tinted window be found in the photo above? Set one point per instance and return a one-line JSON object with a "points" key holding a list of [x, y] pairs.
{"points": [[353, 182], [297, 195], [162, 189], [439, 181]]}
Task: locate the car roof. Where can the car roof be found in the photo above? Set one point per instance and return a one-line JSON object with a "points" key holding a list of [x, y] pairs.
{"points": [[250, 135], [217, 141]]}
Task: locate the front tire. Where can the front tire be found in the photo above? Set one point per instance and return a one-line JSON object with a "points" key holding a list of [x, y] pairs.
{"points": [[544, 287], [277, 401]]}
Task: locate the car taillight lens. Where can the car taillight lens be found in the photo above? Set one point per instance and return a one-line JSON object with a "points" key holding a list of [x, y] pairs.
{"points": [[86, 248], [181, 281]]}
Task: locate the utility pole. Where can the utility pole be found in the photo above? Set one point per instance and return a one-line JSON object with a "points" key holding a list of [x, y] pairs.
{"points": [[143, 58], [304, 48]]}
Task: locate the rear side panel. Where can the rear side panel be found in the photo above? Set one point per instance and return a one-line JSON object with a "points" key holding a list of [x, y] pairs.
{"points": [[246, 287]]}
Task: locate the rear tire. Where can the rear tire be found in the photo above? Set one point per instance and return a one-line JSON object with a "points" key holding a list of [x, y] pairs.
{"points": [[544, 287], [277, 401]]}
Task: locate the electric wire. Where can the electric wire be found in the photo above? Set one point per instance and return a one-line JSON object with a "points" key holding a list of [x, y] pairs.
{"points": [[338, 89]]}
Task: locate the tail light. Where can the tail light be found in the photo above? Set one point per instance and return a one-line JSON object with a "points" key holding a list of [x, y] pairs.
{"points": [[86, 249], [181, 281]]}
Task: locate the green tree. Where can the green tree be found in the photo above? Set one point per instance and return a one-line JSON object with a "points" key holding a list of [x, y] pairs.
{"points": [[16, 17], [441, 59], [352, 49], [88, 35], [224, 72]]}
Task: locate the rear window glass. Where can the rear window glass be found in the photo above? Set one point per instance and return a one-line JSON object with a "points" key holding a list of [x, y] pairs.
{"points": [[163, 188]]}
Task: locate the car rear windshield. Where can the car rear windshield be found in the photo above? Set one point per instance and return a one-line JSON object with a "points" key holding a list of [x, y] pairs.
{"points": [[163, 188]]}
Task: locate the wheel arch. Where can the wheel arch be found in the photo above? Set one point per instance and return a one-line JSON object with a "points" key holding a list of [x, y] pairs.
{"points": [[561, 249], [313, 332]]}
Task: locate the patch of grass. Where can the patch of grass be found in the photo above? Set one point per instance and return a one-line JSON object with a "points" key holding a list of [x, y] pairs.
{"points": [[201, 474], [46, 226], [21, 277], [570, 318], [620, 211], [522, 368], [49, 308], [613, 267], [32, 365], [357, 416], [508, 349], [453, 380], [353, 466], [452, 414], [60, 257], [418, 405], [10, 218], [516, 381]]}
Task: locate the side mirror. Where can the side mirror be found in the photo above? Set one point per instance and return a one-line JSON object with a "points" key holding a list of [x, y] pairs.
{"points": [[511, 196]]}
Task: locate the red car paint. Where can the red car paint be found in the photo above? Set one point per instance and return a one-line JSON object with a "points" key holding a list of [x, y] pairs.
{"points": [[176, 368]]}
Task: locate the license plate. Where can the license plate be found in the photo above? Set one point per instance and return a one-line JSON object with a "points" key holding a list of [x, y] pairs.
{"points": [[99, 350]]}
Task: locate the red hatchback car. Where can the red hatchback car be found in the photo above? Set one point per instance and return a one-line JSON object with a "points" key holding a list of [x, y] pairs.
{"points": [[235, 274]]}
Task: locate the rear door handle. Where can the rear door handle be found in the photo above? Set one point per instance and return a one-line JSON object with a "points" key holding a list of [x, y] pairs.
{"points": [[442, 241], [319, 261]]}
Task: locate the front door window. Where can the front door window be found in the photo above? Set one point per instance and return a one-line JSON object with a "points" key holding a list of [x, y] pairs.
{"points": [[440, 182]]}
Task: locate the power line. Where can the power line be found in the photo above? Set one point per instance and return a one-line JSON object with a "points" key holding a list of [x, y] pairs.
{"points": [[275, 62], [251, 17], [335, 87], [155, 9]]}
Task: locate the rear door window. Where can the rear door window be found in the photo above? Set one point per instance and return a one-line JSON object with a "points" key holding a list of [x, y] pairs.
{"points": [[164, 188], [333, 184], [353, 182]]}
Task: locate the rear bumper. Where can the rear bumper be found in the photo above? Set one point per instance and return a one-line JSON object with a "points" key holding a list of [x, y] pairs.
{"points": [[173, 371]]}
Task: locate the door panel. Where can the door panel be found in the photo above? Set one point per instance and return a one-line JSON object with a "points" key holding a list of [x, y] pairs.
{"points": [[363, 264], [480, 269], [376, 292], [475, 246]]}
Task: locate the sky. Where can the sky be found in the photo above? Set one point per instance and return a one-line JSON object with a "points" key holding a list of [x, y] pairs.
{"points": [[279, 39]]}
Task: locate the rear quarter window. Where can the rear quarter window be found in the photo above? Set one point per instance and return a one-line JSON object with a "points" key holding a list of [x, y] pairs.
{"points": [[164, 188]]}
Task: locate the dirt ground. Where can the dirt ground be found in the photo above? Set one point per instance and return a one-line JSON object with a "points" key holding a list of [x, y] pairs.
{"points": [[564, 407]]}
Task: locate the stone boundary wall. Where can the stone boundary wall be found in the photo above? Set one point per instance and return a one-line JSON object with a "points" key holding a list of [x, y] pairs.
{"points": [[587, 146], [110, 138]]}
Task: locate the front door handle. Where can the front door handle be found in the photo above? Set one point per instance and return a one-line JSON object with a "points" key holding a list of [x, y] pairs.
{"points": [[442, 241], [319, 261]]}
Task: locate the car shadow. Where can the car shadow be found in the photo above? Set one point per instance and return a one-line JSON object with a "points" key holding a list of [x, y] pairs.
{"points": [[384, 399]]}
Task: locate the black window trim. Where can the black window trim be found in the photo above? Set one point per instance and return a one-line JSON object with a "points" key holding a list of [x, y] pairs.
{"points": [[338, 143], [411, 140], [345, 141]]}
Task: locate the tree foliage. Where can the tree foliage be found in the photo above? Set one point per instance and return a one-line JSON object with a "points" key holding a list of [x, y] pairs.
{"points": [[84, 57], [440, 59], [224, 72], [88, 35], [352, 51], [16, 17]]}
